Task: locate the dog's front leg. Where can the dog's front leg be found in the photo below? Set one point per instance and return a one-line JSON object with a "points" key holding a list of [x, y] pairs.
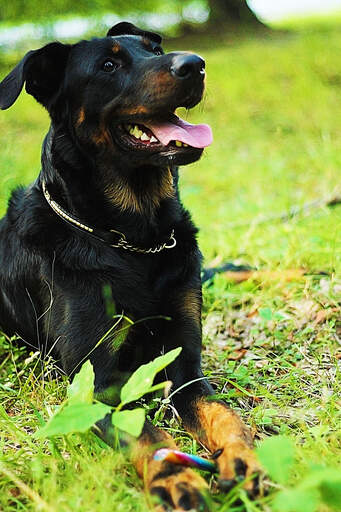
{"points": [[222, 431], [175, 487], [170, 485], [212, 422]]}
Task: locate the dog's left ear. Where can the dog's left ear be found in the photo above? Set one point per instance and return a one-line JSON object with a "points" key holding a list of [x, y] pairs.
{"points": [[43, 72], [125, 28]]}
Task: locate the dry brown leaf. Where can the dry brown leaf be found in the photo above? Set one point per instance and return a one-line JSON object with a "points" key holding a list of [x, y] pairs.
{"points": [[321, 316], [236, 355], [324, 314], [15, 492], [215, 262], [265, 275]]}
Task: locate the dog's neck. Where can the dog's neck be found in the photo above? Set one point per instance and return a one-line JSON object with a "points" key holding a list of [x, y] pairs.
{"points": [[142, 202]]}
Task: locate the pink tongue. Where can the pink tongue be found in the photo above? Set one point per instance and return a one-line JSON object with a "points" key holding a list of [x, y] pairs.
{"points": [[197, 136]]}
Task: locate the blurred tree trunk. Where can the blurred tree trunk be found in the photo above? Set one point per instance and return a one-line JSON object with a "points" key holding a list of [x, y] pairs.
{"points": [[232, 12]]}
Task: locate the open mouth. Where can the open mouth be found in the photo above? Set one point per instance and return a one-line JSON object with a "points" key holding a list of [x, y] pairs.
{"points": [[176, 134]]}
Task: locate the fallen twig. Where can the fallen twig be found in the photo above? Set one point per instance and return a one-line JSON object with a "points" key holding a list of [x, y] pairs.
{"points": [[294, 211]]}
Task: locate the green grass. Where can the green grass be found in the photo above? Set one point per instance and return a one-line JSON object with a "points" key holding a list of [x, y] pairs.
{"points": [[272, 347]]}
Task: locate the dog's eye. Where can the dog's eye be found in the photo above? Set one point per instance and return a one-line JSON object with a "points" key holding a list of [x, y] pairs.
{"points": [[109, 66], [158, 50]]}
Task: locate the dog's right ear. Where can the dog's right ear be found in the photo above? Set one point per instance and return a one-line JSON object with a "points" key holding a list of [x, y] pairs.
{"points": [[43, 72], [126, 28]]}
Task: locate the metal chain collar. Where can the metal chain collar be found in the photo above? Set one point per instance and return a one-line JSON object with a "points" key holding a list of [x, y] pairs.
{"points": [[122, 242]]}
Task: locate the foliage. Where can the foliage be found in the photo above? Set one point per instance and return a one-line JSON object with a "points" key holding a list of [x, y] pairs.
{"points": [[141, 380], [77, 417], [319, 484], [277, 456], [231, 11], [39, 10], [79, 413], [36, 9]]}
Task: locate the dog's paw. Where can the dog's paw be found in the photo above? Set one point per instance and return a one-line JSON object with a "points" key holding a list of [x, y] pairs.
{"points": [[237, 462], [223, 432], [180, 491]]}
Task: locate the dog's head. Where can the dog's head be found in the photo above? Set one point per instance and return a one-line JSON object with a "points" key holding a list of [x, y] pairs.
{"points": [[118, 95]]}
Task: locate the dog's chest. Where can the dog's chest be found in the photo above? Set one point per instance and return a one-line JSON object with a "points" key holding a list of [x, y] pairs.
{"points": [[145, 286]]}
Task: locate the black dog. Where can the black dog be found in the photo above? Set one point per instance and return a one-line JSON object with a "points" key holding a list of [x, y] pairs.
{"points": [[103, 227]]}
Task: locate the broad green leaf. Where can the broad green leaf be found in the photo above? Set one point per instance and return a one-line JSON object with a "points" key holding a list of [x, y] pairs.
{"points": [[130, 421], [276, 454], [331, 492], [326, 481], [296, 500], [82, 388], [317, 475], [142, 379], [77, 417]]}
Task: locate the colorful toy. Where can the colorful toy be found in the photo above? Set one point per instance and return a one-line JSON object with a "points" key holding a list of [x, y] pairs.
{"points": [[185, 459]]}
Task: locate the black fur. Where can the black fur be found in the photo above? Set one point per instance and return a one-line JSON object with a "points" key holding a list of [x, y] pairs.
{"points": [[58, 285]]}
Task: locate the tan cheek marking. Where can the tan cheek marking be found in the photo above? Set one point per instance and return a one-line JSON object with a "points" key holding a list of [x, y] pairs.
{"points": [[166, 189], [121, 195], [101, 137], [159, 84], [161, 78], [81, 117], [140, 109]]}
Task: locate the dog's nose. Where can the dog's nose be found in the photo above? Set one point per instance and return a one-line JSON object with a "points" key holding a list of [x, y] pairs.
{"points": [[187, 65]]}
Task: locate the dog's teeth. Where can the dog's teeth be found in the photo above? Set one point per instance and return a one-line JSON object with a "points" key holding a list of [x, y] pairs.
{"points": [[137, 129], [178, 143], [185, 145], [136, 132], [144, 136], [153, 139]]}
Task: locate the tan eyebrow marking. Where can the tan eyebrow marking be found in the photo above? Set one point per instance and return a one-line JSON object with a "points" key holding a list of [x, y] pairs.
{"points": [[146, 42], [116, 47]]}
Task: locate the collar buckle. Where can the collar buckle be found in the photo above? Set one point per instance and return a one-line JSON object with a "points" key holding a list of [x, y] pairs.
{"points": [[121, 240]]}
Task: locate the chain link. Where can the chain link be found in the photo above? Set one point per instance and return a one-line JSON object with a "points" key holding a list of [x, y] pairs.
{"points": [[123, 244]]}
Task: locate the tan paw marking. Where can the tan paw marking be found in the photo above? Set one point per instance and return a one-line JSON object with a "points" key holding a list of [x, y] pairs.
{"points": [[176, 488], [238, 462], [223, 432]]}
